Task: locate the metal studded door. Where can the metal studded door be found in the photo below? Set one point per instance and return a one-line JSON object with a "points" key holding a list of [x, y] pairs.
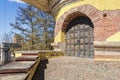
{"points": [[80, 37]]}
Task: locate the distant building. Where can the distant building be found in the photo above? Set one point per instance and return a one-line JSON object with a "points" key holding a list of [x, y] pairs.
{"points": [[17, 39]]}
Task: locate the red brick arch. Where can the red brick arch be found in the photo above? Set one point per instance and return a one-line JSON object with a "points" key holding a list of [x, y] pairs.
{"points": [[106, 23], [84, 10]]}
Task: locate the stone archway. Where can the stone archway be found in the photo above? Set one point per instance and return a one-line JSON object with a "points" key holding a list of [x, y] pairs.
{"points": [[64, 20], [87, 10]]}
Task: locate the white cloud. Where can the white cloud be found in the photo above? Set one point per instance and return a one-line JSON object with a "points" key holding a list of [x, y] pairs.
{"points": [[18, 1]]}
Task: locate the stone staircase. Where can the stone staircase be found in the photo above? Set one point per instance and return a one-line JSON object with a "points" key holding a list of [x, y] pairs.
{"points": [[28, 65], [22, 68]]}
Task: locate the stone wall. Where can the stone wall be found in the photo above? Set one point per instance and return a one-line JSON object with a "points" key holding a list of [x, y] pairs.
{"points": [[106, 24], [105, 16]]}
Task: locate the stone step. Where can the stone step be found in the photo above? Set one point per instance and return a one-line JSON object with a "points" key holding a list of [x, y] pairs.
{"points": [[27, 58], [1, 63], [30, 54], [16, 76], [16, 67]]}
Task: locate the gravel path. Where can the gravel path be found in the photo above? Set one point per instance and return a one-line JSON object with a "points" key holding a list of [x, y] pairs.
{"points": [[73, 68]]}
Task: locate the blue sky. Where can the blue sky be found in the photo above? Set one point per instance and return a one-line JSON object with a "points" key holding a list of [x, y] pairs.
{"points": [[8, 11]]}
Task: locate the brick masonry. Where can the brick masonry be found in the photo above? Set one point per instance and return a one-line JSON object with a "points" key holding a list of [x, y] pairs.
{"points": [[103, 57], [106, 23]]}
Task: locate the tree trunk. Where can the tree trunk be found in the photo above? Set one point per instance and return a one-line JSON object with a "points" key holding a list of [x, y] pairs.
{"points": [[45, 34], [32, 37]]}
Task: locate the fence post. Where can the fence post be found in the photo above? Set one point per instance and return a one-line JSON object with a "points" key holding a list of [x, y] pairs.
{"points": [[1, 56], [5, 53]]}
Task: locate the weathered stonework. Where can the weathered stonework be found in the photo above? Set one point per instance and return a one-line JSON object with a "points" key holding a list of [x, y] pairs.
{"points": [[106, 50], [59, 4], [104, 15], [106, 23], [75, 12]]}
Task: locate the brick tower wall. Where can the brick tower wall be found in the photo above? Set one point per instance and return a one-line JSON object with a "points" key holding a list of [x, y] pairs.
{"points": [[106, 28]]}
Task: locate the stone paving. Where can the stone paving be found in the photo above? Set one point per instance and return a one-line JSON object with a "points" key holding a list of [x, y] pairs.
{"points": [[74, 68], [15, 76]]}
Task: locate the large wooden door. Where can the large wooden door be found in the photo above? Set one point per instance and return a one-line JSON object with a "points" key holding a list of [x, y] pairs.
{"points": [[80, 37]]}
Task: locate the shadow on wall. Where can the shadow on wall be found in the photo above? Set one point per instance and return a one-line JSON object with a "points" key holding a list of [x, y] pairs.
{"points": [[79, 20], [40, 71]]}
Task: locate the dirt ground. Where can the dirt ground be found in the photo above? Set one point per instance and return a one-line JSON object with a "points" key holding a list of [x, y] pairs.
{"points": [[75, 68]]}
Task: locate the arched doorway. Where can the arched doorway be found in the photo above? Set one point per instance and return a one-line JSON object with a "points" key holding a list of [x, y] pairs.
{"points": [[80, 37]]}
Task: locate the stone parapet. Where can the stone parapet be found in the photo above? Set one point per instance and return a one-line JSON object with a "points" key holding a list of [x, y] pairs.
{"points": [[107, 50], [59, 46]]}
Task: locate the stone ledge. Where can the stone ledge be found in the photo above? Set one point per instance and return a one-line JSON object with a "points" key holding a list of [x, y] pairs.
{"points": [[107, 50], [18, 76], [48, 55], [107, 57], [59, 46], [27, 58], [55, 46], [107, 44]]}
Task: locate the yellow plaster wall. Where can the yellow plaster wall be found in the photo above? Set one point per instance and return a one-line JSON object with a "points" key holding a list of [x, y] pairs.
{"points": [[114, 37], [99, 4], [60, 37], [18, 54]]}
